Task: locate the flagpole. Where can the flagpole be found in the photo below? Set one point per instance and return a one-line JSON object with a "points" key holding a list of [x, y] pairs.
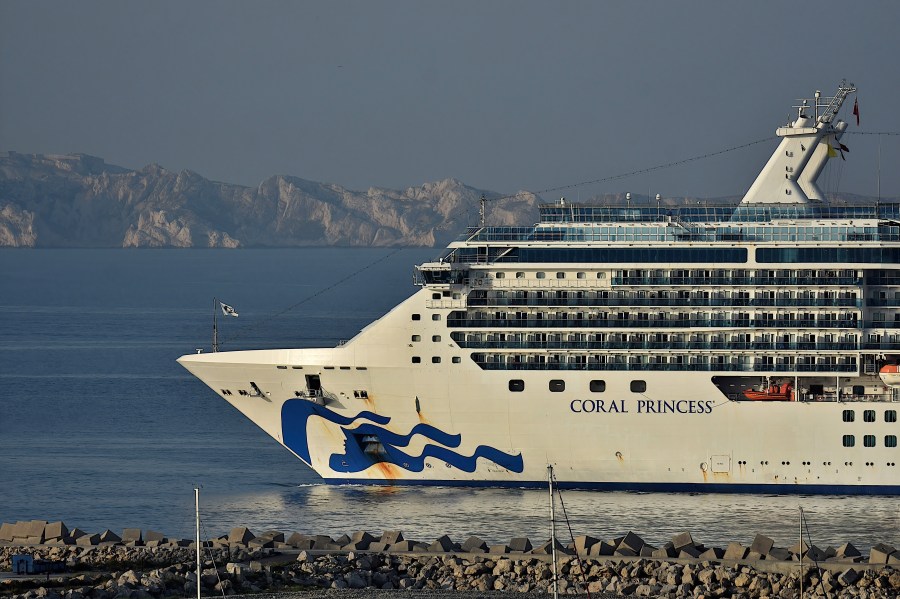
{"points": [[215, 344]]}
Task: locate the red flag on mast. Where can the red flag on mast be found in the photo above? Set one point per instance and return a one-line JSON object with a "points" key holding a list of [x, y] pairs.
{"points": [[856, 110]]}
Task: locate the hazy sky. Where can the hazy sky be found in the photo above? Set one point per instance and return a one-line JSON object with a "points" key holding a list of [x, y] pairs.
{"points": [[502, 95]]}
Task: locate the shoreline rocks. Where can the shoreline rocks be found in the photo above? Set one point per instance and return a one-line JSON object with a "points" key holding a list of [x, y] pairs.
{"points": [[142, 563]]}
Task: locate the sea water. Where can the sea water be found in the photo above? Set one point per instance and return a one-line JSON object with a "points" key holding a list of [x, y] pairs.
{"points": [[101, 428]]}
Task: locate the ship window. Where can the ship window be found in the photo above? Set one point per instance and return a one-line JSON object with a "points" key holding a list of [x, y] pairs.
{"points": [[601, 275], [859, 390], [501, 275], [516, 385], [416, 360], [520, 275], [436, 360], [435, 296], [417, 317], [435, 317], [849, 416], [869, 416], [598, 386], [541, 275], [890, 415], [580, 275], [416, 337], [560, 275], [638, 386], [869, 440], [849, 440], [456, 359], [281, 367], [890, 440], [557, 385], [436, 338]]}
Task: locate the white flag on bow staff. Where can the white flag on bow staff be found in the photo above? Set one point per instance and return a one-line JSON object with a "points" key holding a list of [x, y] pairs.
{"points": [[228, 310]]}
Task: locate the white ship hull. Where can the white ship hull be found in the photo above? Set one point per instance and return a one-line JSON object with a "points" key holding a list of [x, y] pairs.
{"points": [[725, 348]]}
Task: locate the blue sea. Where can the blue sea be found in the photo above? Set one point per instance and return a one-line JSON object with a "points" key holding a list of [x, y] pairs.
{"points": [[101, 428]]}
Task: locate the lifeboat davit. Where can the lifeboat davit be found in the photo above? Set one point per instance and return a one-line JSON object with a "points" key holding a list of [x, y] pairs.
{"points": [[890, 375], [783, 392]]}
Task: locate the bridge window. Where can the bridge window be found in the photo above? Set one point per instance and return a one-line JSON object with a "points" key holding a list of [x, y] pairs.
{"points": [[516, 385], [890, 415], [849, 416], [890, 440], [869, 440], [557, 385], [598, 386], [869, 416], [638, 386], [849, 440]]}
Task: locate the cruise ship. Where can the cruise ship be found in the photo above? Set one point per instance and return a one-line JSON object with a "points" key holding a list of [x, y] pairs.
{"points": [[749, 347]]}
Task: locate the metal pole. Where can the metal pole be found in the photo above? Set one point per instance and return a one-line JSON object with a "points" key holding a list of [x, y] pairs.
{"points": [[553, 533], [215, 346], [197, 513], [801, 553]]}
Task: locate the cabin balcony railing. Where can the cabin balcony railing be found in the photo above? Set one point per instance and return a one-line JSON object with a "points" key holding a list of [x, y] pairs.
{"points": [[732, 281], [529, 323], [669, 367], [653, 302], [671, 346]]}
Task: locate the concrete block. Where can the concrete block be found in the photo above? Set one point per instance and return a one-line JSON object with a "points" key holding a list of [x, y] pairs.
{"points": [[20, 529], [277, 536], [498, 549], [357, 546], [132, 535], [6, 532], [647, 550], [754, 556], [547, 548], [36, 529], [662, 553], [442, 544], [623, 551], [848, 577], [362, 536], [474, 545], [780, 554], [584, 543], [378, 546], [830, 551], [305, 544], [260, 543], [847, 550], [405, 545], [631, 541], [815, 554], [76, 532], [55, 530], [735, 551], [152, 535], [880, 553], [342, 540], [762, 544], [240, 535], [391, 536], [295, 538], [32, 540], [682, 540], [712, 553], [520, 544], [420, 547], [603, 548], [152, 543], [689, 551], [799, 548], [894, 559], [322, 542]]}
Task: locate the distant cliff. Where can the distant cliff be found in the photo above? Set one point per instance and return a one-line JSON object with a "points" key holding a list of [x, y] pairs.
{"points": [[80, 201]]}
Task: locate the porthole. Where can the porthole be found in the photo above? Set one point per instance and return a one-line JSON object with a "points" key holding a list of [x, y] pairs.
{"points": [[417, 317], [849, 441], [890, 440], [416, 360], [560, 275], [520, 275], [516, 385], [598, 386], [540, 275], [869, 441], [638, 386], [890, 415], [456, 359], [436, 360], [868, 415], [416, 338], [435, 317], [849, 416], [580, 275], [557, 385], [436, 338]]}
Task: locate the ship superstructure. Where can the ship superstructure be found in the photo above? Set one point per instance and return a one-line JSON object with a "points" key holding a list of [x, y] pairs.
{"points": [[745, 347]]}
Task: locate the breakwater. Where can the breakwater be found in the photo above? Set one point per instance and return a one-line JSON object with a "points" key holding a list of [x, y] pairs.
{"points": [[147, 563]]}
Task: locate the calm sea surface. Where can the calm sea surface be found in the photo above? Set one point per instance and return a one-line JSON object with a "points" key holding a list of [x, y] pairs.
{"points": [[101, 428]]}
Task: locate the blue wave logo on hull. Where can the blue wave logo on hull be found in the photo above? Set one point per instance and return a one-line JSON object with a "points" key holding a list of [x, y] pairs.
{"points": [[295, 414]]}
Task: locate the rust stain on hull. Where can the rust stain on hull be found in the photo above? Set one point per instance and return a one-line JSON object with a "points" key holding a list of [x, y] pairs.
{"points": [[387, 471]]}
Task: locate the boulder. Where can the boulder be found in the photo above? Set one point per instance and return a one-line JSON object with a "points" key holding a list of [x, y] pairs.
{"points": [[132, 535]]}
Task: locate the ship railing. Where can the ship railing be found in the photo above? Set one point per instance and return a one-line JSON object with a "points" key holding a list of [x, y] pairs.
{"points": [[751, 281], [653, 367], [531, 323], [690, 301], [445, 303], [666, 345]]}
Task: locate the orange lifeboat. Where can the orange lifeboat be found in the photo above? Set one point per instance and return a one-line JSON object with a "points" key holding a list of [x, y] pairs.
{"points": [[782, 392], [890, 375]]}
